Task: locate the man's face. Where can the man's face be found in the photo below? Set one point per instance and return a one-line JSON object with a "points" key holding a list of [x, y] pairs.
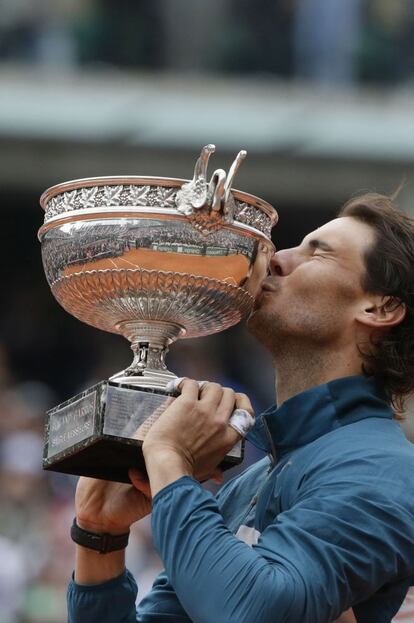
{"points": [[314, 290]]}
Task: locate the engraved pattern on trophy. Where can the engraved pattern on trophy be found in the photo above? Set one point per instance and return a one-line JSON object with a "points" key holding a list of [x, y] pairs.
{"points": [[148, 196], [108, 298], [154, 260]]}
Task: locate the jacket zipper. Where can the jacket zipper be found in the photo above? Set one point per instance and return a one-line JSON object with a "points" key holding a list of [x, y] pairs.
{"points": [[254, 499]]}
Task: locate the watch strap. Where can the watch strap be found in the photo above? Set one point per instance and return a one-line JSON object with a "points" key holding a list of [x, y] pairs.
{"points": [[103, 542]]}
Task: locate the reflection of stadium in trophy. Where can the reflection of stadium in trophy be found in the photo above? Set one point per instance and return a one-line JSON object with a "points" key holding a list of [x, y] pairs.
{"points": [[121, 250], [177, 258]]}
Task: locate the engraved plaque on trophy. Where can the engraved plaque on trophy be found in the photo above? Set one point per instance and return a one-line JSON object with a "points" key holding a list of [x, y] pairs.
{"points": [[155, 260]]}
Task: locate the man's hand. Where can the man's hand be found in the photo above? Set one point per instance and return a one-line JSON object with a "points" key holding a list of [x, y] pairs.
{"points": [[103, 506], [193, 435], [112, 507]]}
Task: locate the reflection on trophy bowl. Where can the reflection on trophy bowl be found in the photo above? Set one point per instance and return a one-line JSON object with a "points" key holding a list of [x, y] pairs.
{"points": [[153, 259]]}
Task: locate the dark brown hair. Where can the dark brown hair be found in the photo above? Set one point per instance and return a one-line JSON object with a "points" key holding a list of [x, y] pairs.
{"points": [[389, 266]]}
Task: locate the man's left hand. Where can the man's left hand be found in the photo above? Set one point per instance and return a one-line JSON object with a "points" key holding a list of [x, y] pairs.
{"points": [[193, 435]]}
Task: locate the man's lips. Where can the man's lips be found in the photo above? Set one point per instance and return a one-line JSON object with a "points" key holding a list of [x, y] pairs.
{"points": [[269, 287], [266, 288]]}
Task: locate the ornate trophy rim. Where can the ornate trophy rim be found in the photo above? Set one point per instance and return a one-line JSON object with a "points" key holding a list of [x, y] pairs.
{"points": [[138, 212], [140, 180]]}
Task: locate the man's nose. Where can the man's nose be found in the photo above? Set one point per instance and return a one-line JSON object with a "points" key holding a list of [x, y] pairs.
{"points": [[284, 262]]}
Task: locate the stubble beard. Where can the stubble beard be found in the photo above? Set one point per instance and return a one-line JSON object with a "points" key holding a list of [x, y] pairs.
{"points": [[288, 331], [267, 328]]}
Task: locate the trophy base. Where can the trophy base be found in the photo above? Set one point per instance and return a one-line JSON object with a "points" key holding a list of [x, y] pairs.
{"points": [[99, 433]]}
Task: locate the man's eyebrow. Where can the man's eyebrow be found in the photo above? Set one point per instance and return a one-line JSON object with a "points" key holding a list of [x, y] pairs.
{"points": [[315, 243]]}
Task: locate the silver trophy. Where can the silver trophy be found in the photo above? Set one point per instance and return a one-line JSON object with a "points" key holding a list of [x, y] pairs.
{"points": [[153, 259]]}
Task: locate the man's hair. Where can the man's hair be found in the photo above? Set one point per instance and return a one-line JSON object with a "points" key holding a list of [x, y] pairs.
{"points": [[389, 264]]}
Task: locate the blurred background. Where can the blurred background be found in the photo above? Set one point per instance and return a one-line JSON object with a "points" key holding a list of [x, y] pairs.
{"points": [[321, 94]]}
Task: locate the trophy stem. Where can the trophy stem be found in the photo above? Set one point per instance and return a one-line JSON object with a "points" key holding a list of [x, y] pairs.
{"points": [[149, 343]]}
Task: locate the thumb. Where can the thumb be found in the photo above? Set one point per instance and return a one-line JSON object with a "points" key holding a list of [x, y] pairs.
{"points": [[243, 402], [140, 482]]}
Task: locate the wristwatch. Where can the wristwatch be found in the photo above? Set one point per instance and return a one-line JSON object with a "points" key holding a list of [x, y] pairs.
{"points": [[103, 542]]}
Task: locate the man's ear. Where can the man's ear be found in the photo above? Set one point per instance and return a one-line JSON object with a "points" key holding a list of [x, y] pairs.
{"points": [[381, 312]]}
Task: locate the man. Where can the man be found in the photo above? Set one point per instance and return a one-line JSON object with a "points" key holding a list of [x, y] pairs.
{"points": [[325, 524]]}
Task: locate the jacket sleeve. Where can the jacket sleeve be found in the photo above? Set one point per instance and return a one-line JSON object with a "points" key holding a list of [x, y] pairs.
{"points": [[333, 548]]}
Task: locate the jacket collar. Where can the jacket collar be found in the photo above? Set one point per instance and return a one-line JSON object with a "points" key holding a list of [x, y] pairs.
{"points": [[317, 411]]}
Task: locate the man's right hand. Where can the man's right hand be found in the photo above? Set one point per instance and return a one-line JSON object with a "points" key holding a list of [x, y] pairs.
{"points": [[103, 506]]}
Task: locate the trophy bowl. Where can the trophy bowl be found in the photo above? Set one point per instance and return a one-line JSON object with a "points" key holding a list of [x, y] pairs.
{"points": [[153, 259]]}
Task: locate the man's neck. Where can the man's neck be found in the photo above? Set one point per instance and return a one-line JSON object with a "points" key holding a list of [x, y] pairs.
{"points": [[303, 368]]}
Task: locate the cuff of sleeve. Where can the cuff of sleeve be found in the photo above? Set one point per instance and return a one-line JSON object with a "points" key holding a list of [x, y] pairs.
{"points": [[181, 482], [107, 602], [112, 583]]}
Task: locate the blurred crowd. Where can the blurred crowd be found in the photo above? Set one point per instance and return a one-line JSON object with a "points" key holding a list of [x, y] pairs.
{"points": [[34, 509], [335, 42]]}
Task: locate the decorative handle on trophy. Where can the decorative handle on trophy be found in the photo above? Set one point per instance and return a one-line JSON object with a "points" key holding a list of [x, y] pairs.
{"points": [[232, 174], [208, 205], [216, 189], [193, 195]]}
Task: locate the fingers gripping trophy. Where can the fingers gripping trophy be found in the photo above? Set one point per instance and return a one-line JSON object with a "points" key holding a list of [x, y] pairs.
{"points": [[155, 260]]}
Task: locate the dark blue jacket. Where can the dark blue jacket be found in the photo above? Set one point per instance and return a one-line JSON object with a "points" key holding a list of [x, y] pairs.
{"points": [[325, 523]]}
